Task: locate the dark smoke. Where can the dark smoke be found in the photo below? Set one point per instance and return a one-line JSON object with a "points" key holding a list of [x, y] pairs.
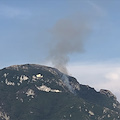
{"points": [[68, 36]]}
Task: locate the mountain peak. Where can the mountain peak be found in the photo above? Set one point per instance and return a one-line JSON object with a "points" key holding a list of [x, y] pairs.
{"points": [[42, 92], [25, 66], [108, 93]]}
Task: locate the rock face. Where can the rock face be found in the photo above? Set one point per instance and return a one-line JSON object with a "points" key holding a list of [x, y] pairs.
{"points": [[36, 92], [108, 93]]}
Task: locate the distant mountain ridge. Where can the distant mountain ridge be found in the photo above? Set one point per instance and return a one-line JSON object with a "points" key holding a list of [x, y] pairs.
{"points": [[37, 92]]}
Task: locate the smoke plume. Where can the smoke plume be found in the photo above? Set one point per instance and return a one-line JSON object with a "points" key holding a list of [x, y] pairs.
{"points": [[68, 36]]}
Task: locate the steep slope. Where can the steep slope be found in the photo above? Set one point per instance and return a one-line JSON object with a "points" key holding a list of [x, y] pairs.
{"points": [[36, 92]]}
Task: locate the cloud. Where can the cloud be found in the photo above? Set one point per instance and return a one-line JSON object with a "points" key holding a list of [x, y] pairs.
{"points": [[98, 75], [13, 12], [113, 76]]}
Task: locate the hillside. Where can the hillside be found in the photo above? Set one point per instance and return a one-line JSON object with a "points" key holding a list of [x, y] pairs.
{"points": [[36, 92]]}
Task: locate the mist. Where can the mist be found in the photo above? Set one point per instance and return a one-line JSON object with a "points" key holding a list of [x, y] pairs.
{"points": [[68, 37]]}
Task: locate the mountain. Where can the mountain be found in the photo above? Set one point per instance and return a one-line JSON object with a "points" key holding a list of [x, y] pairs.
{"points": [[36, 92]]}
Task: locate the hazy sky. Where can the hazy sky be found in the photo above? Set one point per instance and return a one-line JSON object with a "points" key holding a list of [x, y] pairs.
{"points": [[27, 35]]}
